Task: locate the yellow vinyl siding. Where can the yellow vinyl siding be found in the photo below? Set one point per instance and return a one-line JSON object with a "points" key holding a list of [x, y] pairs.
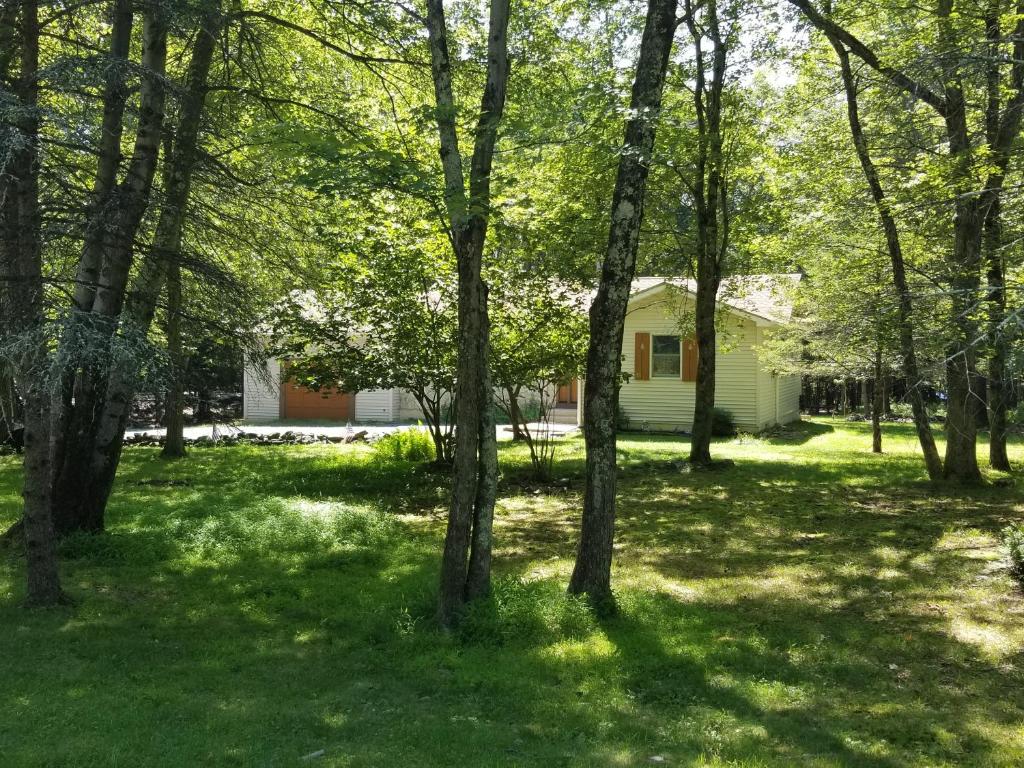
{"points": [[789, 399], [667, 403], [766, 392], [778, 397]]}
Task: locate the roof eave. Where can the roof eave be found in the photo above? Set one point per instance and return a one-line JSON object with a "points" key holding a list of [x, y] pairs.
{"points": [[646, 293]]}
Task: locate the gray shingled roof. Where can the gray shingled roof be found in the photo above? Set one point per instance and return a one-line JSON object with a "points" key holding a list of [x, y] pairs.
{"points": [[767, 296]]}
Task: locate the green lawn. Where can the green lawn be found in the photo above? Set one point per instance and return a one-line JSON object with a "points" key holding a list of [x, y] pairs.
{"points": [[814, 606]]}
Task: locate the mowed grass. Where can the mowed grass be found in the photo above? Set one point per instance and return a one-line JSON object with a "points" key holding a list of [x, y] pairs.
{"points": [[814, 606]]}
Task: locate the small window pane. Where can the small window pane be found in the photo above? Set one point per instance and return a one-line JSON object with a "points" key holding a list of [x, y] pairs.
{"points": [[665, 356]]}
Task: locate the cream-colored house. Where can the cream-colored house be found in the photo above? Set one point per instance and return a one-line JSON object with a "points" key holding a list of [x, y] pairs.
{"points": [[658, 355]]}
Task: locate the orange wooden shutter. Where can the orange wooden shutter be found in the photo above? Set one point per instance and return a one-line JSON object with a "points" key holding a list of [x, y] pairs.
{"points": [[642, 357], [689, 359]]}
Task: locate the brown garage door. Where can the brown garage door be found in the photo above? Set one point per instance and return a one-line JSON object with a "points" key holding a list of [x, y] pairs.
{"points": [[297, 402], [568, 394]]}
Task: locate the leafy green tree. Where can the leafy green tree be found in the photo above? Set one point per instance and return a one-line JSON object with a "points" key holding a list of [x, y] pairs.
{"points": [[958, 94], [145, 133], [844, 327], [538, 341], [389, 320]]}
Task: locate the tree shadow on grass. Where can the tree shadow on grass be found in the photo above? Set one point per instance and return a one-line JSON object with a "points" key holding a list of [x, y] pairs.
{"points": [[797, 432], [782, 681], [810, 618], [760, 514]]}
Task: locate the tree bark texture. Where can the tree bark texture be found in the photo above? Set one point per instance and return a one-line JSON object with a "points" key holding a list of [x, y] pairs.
{"points": [[79, 502], [998, 330], [905, 305], [710, 203], [1000, 341], [21, 279], [99, 440], [466, 575], [115, 97], [174, 411], [478, 579], [164, 253], [961, 460], [591, 574]]}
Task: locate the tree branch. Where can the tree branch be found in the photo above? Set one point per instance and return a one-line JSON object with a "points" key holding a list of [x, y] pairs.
{"points": [[865, 54]]}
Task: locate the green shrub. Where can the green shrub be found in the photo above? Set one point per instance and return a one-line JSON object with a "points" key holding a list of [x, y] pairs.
{"points": [[1016, 415], [722, 423], [405, 445], [1013, 540], [902, 411]]}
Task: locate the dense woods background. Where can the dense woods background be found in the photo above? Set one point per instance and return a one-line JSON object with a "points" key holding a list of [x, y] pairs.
{"points": [[181, 180]]}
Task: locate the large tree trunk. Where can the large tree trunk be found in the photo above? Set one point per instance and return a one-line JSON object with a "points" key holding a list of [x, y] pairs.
{"points": [[472, 496], [43, 583], [468, 406], [905, 306], [103, 203], [592, 572], [971, 208], [712, 222], [79, 335], [998, 329], [997, 389], [478, 578], [165, 251], [21, 279], [79, 503], [704, 388], [961, 460], [961, 463], [174, 412]]}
